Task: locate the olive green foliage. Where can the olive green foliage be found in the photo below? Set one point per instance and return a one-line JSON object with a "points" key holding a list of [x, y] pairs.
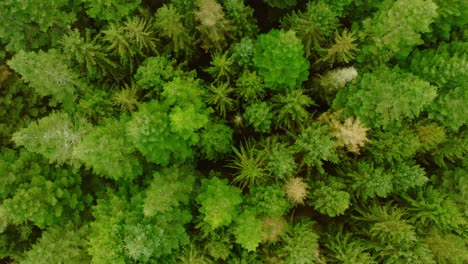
{"points": [[34, 24], [313, 26], [382, 85], [329, 201], [65, 244], [259, 115], [135, 37], [300, 245], [290, 109], [48, 74], [250, 86], [88, 53], [275, 48], [169, 25], [342, 50], [54, 136], [169, 188], [393, 144], [447, 247], [395, 29], [269, 200], [127, 98], [216, 140], [430, 135], [218, 202], [316, 144], [118, 161], [221, 67], [250, 165], [281, 3], [248, 230], [110, 10]]}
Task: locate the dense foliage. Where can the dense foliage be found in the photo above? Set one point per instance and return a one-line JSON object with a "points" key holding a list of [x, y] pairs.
{"points": [[234, 131]]}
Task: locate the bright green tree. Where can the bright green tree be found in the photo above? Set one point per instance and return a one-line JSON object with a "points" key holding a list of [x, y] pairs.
{"points": [[170, 187], [219, 202], [248, 230], [385, 96], [54, 137], [300, 245], [165, 131], [110, 10], [395, 29], [109, 152], [279, 58], [59, 244], [49, 75]]}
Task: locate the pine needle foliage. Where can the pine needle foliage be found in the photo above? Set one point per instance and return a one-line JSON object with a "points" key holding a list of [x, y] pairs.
{"points": [[135, 37], [221, 68], [88, 53], [313, 26], [290, 108], [342, 51], [342, 247], [250, 165], [169, 25], [220, 97]]}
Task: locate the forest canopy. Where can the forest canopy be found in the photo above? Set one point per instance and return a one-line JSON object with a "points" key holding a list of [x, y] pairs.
{"points": [[234, 131]]}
